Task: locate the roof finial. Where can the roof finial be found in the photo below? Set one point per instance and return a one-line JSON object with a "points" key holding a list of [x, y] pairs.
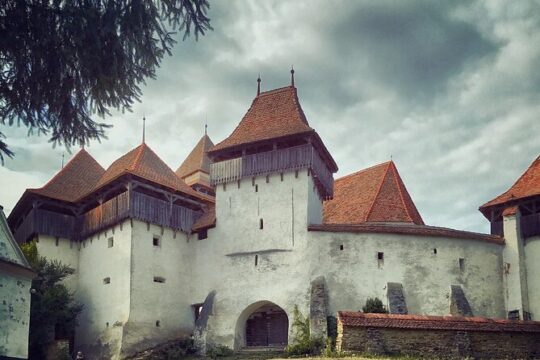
{"points": [[143, 128], [259, 85], [292, 76], [206, 125], [62, 159]]}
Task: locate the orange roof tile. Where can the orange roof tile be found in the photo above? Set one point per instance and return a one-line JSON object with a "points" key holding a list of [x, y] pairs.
{"points": [[407, 229], [197, 159], [428, 322], [376, 194], [527, 185], [75, 180], [144, 163], [273, 114], [207, 220]]}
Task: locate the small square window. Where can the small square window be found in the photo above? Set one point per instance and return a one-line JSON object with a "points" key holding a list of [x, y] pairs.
{"points": [[380, 256], [341, 247], [158, 323], [111, 242], [106, 280], [156, 241]]}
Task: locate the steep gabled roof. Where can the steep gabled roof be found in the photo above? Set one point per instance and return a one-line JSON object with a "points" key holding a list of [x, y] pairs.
{"points": [[273, 114], [197, 159], [76, 179], [376, 194], [527, 185], [144, 163]]}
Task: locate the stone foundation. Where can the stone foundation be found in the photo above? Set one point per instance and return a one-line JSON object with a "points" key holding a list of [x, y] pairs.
{"points": [[438, 337]]}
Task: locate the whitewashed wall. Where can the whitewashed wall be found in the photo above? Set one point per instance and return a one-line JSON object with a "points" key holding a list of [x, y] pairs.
{"points": [[63, 250], [159, 311], [532, 257], [106, 306], [14, 315], [354, 274]]}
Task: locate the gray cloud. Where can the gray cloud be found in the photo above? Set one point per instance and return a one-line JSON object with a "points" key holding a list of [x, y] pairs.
{"points": [[448, 89]]}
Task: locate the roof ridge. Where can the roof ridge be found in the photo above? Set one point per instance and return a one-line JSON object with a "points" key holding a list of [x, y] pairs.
{"points": [[361, 171], [68, 165], [273, 91], [138, 157], [396, 175], [378, 192]]}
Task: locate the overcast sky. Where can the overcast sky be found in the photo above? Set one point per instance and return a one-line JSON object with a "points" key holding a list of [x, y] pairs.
{"points": [[449, 90]]}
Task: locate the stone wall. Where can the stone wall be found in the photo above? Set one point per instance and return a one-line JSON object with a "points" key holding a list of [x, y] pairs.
{"points": [[438, 337]]}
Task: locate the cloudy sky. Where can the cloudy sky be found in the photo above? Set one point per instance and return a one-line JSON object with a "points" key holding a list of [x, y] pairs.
{"points": [[449, 90]]}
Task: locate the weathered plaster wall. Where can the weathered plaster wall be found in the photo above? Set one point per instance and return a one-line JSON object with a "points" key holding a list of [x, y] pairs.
{"points": [[159, 311], [248, 266], [515, 278], [14, 315], [106, 306], [355, 273], [532, 260], [63, 250]]}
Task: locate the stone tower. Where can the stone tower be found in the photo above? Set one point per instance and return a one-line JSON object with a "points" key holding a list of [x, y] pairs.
{"points": [[515, 214]]}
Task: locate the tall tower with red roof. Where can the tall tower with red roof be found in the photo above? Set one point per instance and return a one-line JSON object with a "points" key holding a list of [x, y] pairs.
{"points": [[515, 214]]}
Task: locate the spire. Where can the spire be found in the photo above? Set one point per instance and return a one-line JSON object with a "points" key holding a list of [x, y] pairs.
{"points": [[292, 75], [143, 128], [259, 85]]}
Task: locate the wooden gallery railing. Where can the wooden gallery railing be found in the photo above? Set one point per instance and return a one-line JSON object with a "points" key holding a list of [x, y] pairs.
{"points": [[126, 205], [530, 226], [293, 158]]}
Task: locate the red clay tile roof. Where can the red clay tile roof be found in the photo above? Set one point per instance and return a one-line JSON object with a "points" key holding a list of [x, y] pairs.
{"points": [[406, 229], [527, 185], [144, 163], [207, 220], [197, 159], [376, 194], [272, 114], [425, 322], [75, 180]]}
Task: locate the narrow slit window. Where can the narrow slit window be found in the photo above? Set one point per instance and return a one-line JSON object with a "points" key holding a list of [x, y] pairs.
{"points": [[261, 224], [256, 188], [256, 260], [106, 280], [267, 179], [380, 259], [159, 279], [296, 174], [110, 242], [462, 264], [56, 241], [341, 247], [435, 251], [281, 176], [156, 241]]}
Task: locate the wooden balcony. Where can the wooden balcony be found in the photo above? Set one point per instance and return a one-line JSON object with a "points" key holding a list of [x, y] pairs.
{"points": [[293, 158], [126, 205]]}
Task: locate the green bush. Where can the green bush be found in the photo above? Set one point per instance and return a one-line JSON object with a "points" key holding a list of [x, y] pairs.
{"points": [[218, 350], [304, 343], [374, 305]]}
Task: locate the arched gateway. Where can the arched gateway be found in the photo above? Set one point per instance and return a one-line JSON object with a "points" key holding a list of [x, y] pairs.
{"points": [[262, 324]]}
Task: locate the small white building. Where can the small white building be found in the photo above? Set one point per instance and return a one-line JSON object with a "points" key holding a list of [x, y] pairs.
{"points": [[251, 227], [15, 281]]}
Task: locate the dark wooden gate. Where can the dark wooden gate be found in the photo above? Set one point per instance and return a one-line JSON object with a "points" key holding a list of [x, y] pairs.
{"points": [[266, 327]]}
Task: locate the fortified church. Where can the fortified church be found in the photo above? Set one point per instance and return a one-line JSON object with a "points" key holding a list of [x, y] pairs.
{"points": [[226, 246]]}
